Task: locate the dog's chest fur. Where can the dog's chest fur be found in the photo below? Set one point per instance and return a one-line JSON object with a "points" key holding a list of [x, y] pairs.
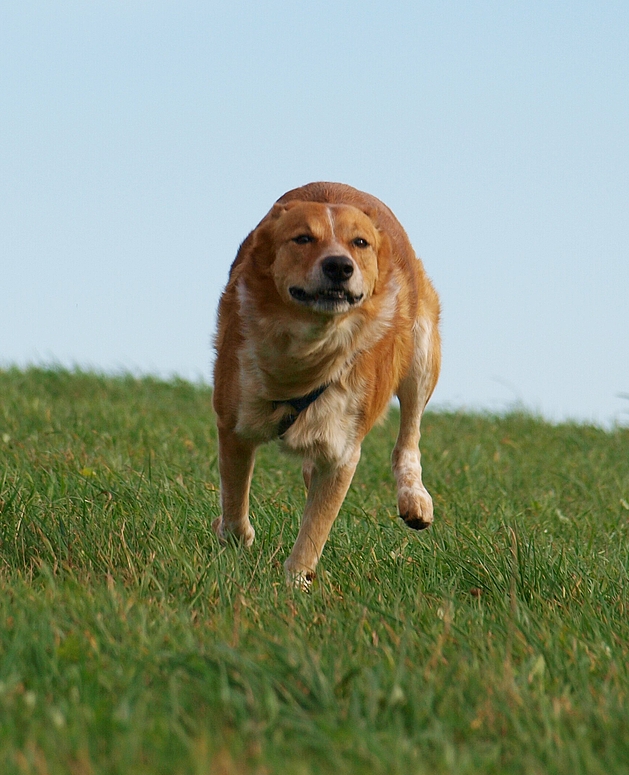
{"points": [[282, 359]]}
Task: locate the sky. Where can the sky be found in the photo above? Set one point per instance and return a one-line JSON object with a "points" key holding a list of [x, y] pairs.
{"points": [[141, 141]]}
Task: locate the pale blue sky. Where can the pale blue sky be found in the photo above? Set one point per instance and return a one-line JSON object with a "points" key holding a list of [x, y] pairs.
{"points": [[140, 142]]}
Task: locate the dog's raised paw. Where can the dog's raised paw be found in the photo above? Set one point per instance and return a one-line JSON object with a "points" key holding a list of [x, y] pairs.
{"points": [[416, 523], [415, 507]]}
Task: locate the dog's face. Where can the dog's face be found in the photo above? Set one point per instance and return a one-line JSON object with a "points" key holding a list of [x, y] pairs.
{"points": [[324, 257]]}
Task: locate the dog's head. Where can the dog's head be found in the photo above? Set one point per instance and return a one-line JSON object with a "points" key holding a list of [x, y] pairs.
{"points": [[321, 257]]}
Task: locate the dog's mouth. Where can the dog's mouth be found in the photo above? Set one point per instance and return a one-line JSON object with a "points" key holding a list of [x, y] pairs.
{"points": [[324, 296]]}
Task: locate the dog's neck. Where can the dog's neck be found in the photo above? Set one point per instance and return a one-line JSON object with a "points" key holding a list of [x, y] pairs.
{"points": [[295, 359]]}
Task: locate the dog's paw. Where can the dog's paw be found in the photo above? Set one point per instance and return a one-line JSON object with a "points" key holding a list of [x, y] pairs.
{"points": [[244, 535], [415, 508], [416, 523]]}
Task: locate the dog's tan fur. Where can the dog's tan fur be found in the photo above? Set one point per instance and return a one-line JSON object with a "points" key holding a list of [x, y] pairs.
{"points": [[285, 328]]}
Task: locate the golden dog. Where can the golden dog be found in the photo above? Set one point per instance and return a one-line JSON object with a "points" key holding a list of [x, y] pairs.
{"points": [[326, 315]]}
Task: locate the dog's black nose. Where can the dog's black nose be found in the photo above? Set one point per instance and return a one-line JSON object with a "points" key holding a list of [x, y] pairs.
{"points": [[337, 268]]}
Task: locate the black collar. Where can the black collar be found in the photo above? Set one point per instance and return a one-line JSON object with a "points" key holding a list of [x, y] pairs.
{"points": [[298, 405]]}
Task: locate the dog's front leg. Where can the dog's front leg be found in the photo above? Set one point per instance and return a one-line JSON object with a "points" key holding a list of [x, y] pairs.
{"points": [[236, 458], [414, 502], [327, 489]]}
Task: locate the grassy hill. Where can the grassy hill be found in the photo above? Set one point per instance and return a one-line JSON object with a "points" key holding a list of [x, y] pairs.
{"points": [[131, 642]]}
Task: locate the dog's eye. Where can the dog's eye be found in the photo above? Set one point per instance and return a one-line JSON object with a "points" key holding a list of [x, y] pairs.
{"points": [[303, 239], [359, 242]]}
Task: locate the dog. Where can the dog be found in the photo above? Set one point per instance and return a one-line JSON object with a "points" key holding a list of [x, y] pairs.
{"points": [[327, 314]]}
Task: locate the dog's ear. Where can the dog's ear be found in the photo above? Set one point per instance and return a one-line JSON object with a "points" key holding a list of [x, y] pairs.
{"points": [[261, 247], [279, 208], [267, 224], [265, 230], [372, 214], [258, 248], [276, 211]]}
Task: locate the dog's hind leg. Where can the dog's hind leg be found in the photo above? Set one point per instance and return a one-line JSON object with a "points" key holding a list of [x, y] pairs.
{"points": [[414, 502], [327, 487], [236, 459]]}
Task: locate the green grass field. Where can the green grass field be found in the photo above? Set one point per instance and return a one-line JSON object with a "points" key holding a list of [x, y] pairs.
{"points": [[131, 642]]}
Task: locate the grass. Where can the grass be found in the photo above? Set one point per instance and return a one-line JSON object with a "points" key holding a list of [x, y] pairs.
{"points": [[131, 642]]}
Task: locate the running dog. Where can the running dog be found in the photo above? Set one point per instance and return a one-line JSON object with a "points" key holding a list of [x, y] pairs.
{"points": [[327, 314]]}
